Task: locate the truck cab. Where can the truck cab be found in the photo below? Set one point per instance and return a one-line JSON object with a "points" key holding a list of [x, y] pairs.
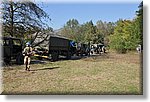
{"points": [[12, 49]]}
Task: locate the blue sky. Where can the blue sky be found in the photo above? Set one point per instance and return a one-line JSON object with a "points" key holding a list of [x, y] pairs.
{"points": [[60, 13]]}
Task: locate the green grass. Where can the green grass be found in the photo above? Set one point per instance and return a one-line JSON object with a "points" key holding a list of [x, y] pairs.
{"points": [[106, 74]]}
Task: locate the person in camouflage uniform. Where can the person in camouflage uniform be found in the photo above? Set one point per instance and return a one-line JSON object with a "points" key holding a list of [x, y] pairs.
{"points": [[27, 52]]}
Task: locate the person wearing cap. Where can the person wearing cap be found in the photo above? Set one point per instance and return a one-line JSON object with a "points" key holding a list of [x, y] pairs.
{"points": [[27, 52]]}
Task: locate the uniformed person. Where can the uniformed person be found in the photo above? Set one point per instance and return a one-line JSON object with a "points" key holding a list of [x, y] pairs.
{"points": [[27, 52]]}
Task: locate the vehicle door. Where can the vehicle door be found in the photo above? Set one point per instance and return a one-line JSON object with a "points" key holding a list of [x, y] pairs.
{"points": [[16, 46], [6, 47]]}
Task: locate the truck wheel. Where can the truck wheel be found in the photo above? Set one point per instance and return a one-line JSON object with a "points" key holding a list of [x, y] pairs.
{"points": [[81, 54], [86, 54], [7, 60], [55, 56], [40, 58], [69, 55], [19, 59]]}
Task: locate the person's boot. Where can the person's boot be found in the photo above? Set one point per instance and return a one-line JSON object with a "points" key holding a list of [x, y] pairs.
{"points": [[28, 68]]}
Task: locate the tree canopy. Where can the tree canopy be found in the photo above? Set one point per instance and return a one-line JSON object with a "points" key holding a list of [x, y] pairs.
{"points": [[121, 36], [87, 32], [22, 19], [25, 19], [128, 34]]}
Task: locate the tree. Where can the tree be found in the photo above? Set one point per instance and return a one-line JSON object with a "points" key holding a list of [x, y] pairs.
{"points": [[128, 33], [120, 40], [139, 20], [90, 32], [41, 39], [71, 30], [126, 36], [104, 29], [23, 18]]}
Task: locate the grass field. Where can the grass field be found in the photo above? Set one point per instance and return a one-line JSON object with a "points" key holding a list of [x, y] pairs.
{"points": [[106, 74]]}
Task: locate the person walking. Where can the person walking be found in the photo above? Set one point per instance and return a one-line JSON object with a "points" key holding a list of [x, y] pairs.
{"points": [[27, 52]]}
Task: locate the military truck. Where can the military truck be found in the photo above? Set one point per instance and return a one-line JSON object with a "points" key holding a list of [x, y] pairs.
{"points": [[82, 49], [60, 46], [12, 49]]}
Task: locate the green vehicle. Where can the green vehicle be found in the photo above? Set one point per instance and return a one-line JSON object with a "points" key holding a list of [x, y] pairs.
{"points": [[83, 49], [12, 49], [60, 46]]}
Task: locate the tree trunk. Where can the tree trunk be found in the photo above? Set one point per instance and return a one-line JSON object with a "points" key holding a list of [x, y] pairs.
{"points": [[12, 19]]}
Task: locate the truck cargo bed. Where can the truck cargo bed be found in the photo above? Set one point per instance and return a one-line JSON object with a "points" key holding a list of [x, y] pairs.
{"points": [[57, 43]]}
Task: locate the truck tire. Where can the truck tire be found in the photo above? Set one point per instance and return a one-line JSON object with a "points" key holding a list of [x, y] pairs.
{"points": [[86, 54], [81, 54], [19, 58], [7, 60], [69, 55], [55, 56]]}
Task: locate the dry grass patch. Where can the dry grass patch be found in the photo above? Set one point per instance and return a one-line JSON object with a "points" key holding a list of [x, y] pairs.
{"points": [[106, 74]]}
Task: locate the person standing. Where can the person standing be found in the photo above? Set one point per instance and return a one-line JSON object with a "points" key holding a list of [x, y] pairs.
{"points": [[27, 52]]}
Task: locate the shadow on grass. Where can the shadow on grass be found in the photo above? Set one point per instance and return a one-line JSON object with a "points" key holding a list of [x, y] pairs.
{"points": [[61, 58], [37, 62], [13, 63], [45, 69], [78, 57]]}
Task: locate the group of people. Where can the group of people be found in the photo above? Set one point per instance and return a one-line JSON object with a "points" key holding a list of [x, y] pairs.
{"points": [[98, 48]]}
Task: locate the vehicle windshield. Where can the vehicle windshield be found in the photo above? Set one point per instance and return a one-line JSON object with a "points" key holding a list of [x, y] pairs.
{"points": [[16, 42]]}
